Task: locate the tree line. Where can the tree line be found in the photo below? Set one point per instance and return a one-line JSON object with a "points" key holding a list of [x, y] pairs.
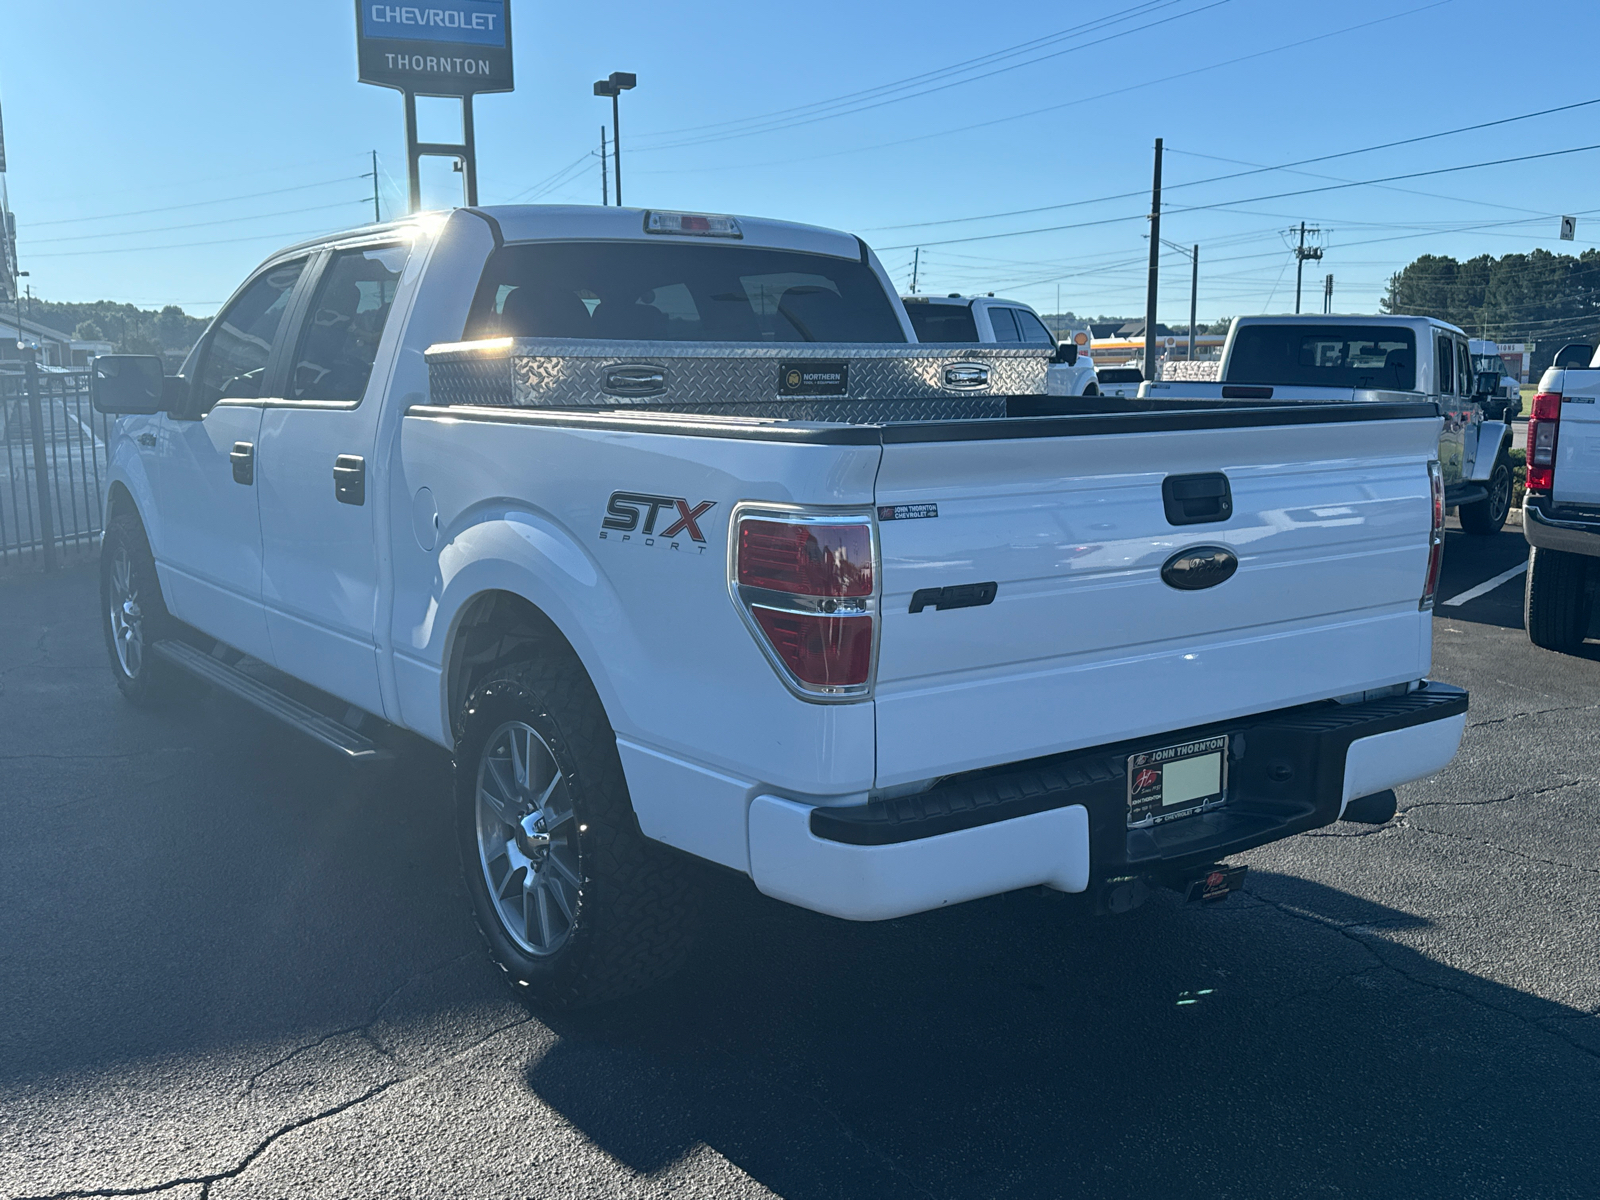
{"points": [[132, 330], [1548, 299]]}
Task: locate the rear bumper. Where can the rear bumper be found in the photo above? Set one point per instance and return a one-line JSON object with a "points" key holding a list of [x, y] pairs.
{"points": [[1573, 533], [1062, 822]]}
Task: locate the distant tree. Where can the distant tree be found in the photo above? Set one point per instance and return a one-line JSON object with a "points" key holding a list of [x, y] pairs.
{"points": [[1548, 299], [88, 331]]}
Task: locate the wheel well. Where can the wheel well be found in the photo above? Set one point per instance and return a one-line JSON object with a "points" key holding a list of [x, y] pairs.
{"points": [[118, 501], [495, 628]]}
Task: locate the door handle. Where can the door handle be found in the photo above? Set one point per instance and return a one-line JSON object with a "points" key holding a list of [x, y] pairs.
{"points": [[350, 479], [243, 458]]}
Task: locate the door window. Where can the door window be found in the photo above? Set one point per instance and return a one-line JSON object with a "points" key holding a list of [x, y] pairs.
{"points": [[1032, 329], [1444, 365], [1463, 371], [345, 324], [1005, 325], [241, 339]]}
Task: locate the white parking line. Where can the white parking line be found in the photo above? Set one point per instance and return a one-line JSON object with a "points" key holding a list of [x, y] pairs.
{"points": [[1485, 587]]}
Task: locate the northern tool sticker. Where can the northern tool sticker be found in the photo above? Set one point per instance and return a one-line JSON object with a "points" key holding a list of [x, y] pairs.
{"points": [[813, 379]]}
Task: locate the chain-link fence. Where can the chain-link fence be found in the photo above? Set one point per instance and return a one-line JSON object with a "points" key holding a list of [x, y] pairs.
{"points": [[52, 466]]}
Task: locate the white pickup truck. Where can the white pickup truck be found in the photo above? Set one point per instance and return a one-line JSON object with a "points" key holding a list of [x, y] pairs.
{"points": [[1328, 359], [1561, 509], [666, 527], [954, 319]]}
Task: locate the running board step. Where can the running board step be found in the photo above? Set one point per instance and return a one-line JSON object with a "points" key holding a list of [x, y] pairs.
{"points": [[274, 703]]}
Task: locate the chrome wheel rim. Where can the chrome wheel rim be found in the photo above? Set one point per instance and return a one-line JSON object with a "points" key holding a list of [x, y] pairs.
{"points": [[527, 839], [1500, 493], [127, 621]]}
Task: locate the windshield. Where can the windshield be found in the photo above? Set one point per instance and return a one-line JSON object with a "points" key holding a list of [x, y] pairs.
{"points": [[943, 322], [1341, 356], [679, 293], [1489, 362]]}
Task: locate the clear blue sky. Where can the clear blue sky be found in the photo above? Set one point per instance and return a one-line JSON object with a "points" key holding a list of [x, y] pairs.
{"points": [[117, 113]]}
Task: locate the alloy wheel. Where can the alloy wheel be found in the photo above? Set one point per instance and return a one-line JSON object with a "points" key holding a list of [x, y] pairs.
{"points": [[127, 621], [528, 839]]}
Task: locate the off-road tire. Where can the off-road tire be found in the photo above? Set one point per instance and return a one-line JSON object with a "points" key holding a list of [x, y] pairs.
{"points": [[154, 681], [1488, 516], [637, 902], [1559, 599]]}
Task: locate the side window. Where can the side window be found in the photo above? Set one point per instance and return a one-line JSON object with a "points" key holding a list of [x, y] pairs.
{"points": [[1005, 325], [1033, 331], [1444, 369], [235, 357], [1463, 370], [345, 323]]}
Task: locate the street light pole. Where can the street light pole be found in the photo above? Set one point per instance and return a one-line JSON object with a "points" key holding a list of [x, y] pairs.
{"points": [[614, 85]]}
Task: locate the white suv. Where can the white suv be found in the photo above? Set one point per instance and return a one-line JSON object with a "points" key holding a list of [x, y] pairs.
{"points": [[956, 318]]}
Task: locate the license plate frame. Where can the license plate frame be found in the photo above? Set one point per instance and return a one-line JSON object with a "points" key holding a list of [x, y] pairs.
{"points": [[1191, 783]]}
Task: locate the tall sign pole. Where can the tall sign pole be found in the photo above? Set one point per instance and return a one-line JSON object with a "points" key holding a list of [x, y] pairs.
{"points": [[451, 48]]}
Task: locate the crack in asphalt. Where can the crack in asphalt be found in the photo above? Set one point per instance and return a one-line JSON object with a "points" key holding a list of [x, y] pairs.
{"points": [[1549, 862], [364, 1028], [204, 1182], [1351, 932], [1554, 787], [1537, 712]]}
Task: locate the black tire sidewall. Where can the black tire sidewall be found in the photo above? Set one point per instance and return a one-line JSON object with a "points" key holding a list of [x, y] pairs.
{"points": [[495, 702], [150, 684]]}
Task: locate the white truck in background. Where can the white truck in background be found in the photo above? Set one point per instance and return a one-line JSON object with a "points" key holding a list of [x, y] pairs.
{"points": [[1332, 359], [985, 320], [1486, 360], [665, 527], [1561, 508]]}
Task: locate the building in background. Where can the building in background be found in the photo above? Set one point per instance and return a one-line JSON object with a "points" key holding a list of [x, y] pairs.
{"points": [[52, 347]]}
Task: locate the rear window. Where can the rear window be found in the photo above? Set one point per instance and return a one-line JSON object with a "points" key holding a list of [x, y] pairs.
{"points": [[943, 322], [679, 293], [1346, 356], [1119, 374]]}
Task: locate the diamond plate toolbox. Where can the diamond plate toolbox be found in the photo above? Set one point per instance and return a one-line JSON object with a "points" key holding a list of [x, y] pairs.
{"points": [[802, 381]]}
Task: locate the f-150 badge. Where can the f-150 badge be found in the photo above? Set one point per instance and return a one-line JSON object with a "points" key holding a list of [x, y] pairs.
{"points": [[636, 513]]}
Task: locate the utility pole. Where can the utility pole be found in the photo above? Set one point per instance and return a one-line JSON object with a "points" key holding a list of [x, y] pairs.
{"points": [[1194, 295], [1327, 295], [916, 262], [1301, 254], [1155, 264], [604, 186], [377, 215]]}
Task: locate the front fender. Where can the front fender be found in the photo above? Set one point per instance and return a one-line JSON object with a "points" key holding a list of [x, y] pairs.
{"points": [[1490, 433], [128, 468]]}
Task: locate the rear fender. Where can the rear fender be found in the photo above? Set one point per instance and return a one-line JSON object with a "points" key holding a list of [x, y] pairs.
{"points": [[528, 554], [1493, 436]]}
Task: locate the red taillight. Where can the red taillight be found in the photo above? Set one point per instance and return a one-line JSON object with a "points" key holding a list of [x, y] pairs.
{"points": [[823, 651], [807, 584], [1544, 423], [807, 560], [1430, 582]]}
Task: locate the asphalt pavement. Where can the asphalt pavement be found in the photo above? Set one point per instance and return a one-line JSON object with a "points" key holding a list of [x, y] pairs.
{"points": [[230, 967]]}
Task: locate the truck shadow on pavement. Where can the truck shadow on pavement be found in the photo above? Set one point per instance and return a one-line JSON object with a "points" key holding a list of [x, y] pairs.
{"points": [[1283, 1043]]}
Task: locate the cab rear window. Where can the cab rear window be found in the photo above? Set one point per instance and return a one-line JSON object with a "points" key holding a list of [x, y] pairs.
{"points": [[943, 322], [1344, 356], [679, 293]]}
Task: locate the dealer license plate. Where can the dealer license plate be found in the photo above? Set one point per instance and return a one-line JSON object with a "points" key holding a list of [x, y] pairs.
{"points": [[1177, 781]]}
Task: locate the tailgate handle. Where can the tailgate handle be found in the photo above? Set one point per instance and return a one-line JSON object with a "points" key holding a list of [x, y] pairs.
{"points": [[1239, 392], [1197, 499]]}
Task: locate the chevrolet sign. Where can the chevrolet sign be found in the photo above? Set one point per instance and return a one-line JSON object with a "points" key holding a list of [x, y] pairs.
{"points": [[444, 48]]}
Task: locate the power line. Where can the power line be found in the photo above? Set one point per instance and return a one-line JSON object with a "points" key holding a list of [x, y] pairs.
{"points": [[83, 237], [259, 237], [775, 125], [144, 212], [1256, 170]]}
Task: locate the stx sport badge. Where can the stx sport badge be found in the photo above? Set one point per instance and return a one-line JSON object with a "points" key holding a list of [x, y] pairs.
{"points": [[636, 514]]}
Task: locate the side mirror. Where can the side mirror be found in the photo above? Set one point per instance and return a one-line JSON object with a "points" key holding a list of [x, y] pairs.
{"points": [[128, 383], [1575, 354], [1486, 383], [1066, 352]]}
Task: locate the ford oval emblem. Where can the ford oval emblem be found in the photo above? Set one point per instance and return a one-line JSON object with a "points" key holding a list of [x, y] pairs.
{"points": [[1199, 567]]}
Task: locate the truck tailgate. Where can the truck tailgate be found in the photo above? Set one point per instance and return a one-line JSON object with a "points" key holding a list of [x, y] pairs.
{"points": [[1577, 476], [1083, 642]]}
